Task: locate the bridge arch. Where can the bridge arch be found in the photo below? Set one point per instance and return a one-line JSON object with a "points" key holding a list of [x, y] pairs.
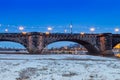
{"points": [[115, 40], [92, 50], [13, 43], [13, 40], [115, 44], [116, 47]]}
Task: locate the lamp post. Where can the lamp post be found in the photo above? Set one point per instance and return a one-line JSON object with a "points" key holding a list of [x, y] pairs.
{"points": [[92, 30], [6, 30], [49, 29], [116, 30], [65, 30], [82, 33], [71, 28], [21, 28]]}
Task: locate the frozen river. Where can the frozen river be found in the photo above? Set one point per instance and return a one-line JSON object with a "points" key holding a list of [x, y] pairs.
{"points": [[58, 67]]}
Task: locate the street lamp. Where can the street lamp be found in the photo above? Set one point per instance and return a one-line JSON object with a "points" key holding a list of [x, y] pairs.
{"points": [[6, 30], [47, 33], [49, 29], [71, 28], [116, 30], [82, 33], [24, 33], [65, 30], [21, 28], [92, 30]]}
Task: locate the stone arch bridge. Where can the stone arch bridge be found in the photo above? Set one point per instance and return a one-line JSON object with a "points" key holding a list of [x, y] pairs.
{"points": [[35, 42]]}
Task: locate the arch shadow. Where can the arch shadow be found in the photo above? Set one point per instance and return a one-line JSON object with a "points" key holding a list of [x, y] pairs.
{"points": [[92, 50], [116, 48]]}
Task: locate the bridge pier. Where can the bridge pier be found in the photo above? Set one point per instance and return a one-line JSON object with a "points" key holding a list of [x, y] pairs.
{"points": [[105, 44], [35, 51], [107, 53], [35, 44]]}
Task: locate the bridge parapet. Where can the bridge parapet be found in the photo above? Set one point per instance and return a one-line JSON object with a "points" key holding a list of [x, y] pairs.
{"points": [[91, 38], [36, 41]]}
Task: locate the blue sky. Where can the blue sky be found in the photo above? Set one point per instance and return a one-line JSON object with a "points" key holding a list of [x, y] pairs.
{"points": [[37, 15]]}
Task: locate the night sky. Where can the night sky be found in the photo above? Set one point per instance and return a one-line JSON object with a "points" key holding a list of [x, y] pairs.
{"points": [[37, 15]]}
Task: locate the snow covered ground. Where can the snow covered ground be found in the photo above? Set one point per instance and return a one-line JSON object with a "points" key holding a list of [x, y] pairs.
{"points": [[58, 67]]}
